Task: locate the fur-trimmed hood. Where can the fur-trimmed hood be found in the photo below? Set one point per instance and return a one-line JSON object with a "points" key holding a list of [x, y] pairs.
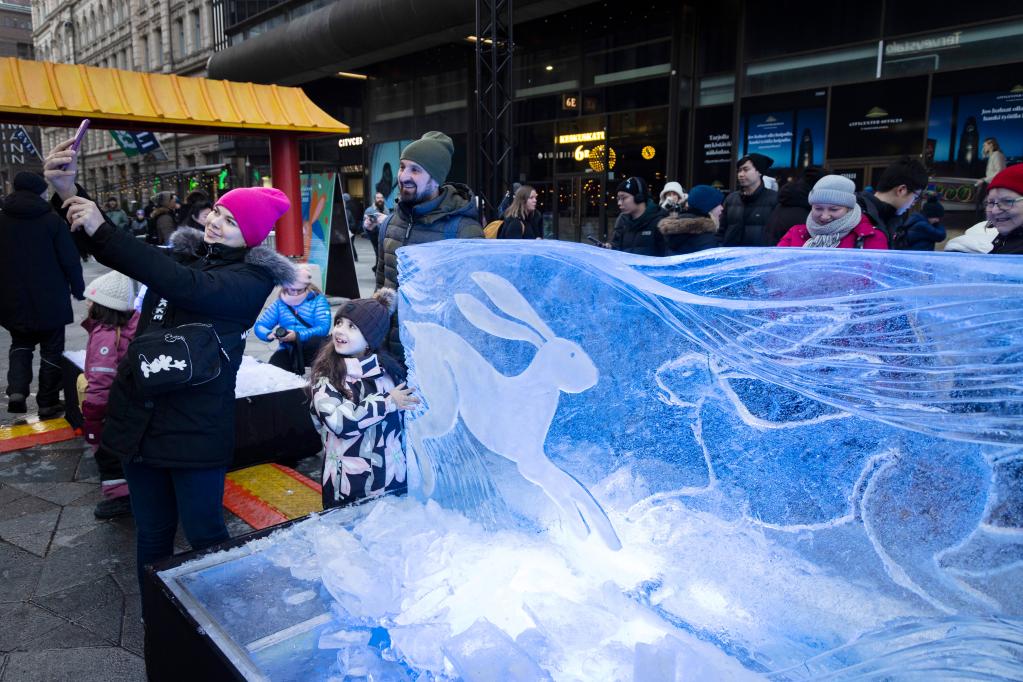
{"points": [[687, 223], [188, 242]]}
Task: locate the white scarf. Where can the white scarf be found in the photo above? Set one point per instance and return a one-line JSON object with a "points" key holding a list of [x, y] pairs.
{"points": [[828, 236]]}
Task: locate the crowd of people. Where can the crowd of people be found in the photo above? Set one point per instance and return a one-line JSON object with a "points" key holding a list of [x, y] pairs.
{"points": [[164, 439]]}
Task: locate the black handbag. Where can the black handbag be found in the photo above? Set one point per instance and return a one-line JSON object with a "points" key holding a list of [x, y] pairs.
{"points": [[172, 358]]}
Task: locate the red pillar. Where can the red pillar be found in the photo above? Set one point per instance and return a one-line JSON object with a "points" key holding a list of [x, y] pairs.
{"points": [[284, 171]]}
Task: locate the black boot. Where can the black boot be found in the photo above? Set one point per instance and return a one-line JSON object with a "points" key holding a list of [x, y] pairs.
{"points": [[51, 411], [113, 508], [16, 404]]}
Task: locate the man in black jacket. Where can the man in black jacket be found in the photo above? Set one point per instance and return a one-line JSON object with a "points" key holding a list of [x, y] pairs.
{"points": [[636, 228], [39, 267], [899, 188], [748, 208]]}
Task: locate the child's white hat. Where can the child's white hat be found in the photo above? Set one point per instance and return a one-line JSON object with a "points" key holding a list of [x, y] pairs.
{"points": [[114, 290]]}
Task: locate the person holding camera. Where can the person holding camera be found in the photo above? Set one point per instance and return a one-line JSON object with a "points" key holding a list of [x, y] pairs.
{"points": [[299, 319]]}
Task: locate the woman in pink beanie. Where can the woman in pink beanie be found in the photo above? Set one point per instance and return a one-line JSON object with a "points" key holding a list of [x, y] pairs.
{"points": [[1004, 209], [176, 446]]}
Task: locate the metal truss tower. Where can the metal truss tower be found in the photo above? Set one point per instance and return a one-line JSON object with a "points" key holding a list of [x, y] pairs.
{"points": [[494, 49]]}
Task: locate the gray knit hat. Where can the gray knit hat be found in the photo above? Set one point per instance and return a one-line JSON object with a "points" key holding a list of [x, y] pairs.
{"points": [[835, 190], [433, 151], [371, 315]]}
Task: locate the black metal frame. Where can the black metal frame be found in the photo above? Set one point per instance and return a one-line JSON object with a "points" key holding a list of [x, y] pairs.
{"points": [[493, 124]]}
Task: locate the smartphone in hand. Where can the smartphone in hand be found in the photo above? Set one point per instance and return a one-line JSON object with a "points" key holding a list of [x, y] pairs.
{"points": [[80, 135]]}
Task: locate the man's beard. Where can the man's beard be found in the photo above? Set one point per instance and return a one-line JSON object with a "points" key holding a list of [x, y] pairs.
{"points": [[380, 205], [411, 195]]}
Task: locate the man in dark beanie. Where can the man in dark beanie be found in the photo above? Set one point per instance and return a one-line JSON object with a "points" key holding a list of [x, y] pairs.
{"points": [[39, 268], [428, 209], [636, 228], [748, 209]]}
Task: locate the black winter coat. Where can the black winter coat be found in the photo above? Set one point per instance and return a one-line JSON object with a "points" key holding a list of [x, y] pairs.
{"points": [[920, 234], [792, 209], [39, 265], [530, 228], [1011, 243], [688, 233], [744, 219], [882, 215], [640, 235], [192, 427]]}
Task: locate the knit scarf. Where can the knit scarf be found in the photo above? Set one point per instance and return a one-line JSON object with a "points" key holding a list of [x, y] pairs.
{"points": [[827, 236]]}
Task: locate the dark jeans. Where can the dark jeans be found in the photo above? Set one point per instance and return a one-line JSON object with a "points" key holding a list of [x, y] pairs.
{"points": [[19, 369], [287, 358], [159, 497]]}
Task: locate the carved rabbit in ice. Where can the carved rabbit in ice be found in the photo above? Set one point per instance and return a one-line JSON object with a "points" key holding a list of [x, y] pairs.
{"points": [[447, 365]]}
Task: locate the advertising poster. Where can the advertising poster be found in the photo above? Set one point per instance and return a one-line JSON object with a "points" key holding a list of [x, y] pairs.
{"points": [[959, 125], [713, 162], [877, 119], [317, 212], [383, 167], [771, 135], [809, 142]]}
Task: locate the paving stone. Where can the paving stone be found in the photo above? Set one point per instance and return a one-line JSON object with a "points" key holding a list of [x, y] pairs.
{"points": [[66, 636], [74, 522], [24, 624], [31, 531], [132, 630], [23, 506], [127, 579], [88, 471], [100, 664], [99, 552], [39, 467], [58, 493], [9, 494], [19, 574], [95, 606]]}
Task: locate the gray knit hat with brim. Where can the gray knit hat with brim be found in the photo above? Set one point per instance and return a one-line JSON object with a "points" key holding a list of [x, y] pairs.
{"points": [[835, 190], [433, 151]]}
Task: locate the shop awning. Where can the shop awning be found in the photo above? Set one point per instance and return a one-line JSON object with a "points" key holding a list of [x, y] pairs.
{"points": [[52, 94]]}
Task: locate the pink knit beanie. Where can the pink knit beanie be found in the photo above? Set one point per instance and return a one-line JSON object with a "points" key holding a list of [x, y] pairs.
{"points": [[256, 209]]}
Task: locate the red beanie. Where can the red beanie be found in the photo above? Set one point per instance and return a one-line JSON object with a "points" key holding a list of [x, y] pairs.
{"points": [[1010, 178], [256, 209]]}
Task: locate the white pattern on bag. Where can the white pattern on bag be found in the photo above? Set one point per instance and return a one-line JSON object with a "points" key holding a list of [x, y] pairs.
{"points": [[160, 364]]}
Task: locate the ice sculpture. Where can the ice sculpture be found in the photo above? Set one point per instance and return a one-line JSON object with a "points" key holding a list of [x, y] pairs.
{"points": [[746, 463]]}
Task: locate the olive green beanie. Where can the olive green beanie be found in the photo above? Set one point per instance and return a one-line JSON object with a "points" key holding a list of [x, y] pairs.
{"points": [[433, 152]]}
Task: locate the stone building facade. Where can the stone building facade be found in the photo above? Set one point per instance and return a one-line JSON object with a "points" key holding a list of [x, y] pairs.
{"points": [[156, 36]]}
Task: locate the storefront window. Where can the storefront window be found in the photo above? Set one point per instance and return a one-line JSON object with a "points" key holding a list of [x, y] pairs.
{"points": [[826, 68], [716, 90], [876, 120], [954, 49]]}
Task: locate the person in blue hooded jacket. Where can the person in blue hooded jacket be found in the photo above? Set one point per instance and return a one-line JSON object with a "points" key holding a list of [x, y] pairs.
{"points": [[299, 319], [924, 229]]}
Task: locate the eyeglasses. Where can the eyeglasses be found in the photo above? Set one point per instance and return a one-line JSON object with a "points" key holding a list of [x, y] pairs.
{"points": [[1001, 204], [295, 292]]}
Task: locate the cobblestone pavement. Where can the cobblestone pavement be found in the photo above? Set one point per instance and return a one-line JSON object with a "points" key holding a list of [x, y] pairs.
{"points": [[69, 604]]}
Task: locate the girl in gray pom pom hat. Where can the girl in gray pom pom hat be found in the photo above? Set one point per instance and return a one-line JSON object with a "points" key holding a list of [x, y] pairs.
{"points": [[357, 404], [835, 219]]}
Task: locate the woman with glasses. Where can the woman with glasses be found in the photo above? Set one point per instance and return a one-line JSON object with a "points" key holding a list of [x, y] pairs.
{"points": [[299, 319], [1004, 210]]}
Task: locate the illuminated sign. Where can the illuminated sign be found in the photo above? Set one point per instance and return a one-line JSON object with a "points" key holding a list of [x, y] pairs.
{"points": [[949, 40], [578, 138], [349, 142], [648, 152], [597, 158], [570, 102]]}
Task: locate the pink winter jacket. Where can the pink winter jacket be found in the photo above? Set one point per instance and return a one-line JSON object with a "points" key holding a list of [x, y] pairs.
{"points": [[872, 237], [102, 356]]}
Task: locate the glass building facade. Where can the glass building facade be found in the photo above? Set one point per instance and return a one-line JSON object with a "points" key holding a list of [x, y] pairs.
{"points": [[680, 90]]}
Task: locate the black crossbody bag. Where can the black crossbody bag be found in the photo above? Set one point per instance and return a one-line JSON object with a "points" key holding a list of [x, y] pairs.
{"points": [[171, 358]]}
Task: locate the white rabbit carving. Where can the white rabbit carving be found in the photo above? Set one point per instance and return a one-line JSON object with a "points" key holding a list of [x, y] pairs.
{"points": [[447, 365]]}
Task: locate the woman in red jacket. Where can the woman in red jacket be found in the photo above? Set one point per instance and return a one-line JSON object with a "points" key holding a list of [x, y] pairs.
{"points": [[835, 219]]}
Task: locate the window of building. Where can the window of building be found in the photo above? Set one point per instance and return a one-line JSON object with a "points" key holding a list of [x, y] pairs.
{"points": [[846, 65], [773, 30], [196, 30], [146, 59], [907, 16], [717, 34], [157, 48], [179, 32], [954, 48]]}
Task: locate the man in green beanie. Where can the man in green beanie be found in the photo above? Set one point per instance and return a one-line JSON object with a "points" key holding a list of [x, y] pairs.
{"points": [[428, 209]]}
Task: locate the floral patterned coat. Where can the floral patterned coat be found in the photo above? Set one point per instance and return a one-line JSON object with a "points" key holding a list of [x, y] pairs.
{"points": [[361, 436]]}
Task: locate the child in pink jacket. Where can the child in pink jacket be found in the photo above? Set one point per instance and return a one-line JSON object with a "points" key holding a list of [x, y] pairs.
{"points": [[111, 324]]}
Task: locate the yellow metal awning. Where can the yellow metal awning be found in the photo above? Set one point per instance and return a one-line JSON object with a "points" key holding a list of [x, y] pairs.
{"points": [[47, 93]]}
